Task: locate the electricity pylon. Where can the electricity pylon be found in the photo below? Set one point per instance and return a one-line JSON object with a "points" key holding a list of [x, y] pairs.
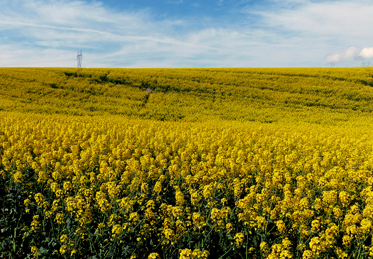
{"points": [[80, 58]]}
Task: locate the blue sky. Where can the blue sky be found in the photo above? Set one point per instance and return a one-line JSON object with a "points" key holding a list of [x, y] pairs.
{"points": [[186, 33]]}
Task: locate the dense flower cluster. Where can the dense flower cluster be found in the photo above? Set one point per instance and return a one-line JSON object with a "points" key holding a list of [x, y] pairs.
{"points": [[186, 163], [114, 187]]}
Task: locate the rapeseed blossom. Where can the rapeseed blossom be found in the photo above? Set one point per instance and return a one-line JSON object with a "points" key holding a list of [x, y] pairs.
{"points": [[161, 189]]}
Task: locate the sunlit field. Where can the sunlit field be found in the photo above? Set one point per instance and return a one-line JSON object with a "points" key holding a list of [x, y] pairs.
{"points": [[186, 163]]}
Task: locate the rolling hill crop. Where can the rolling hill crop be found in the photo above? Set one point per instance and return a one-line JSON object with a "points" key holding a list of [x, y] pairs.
{"points": [[186, 163], [264, 95]]}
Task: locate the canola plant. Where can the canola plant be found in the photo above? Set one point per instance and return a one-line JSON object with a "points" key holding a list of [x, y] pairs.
{"points": [[259, 173]]}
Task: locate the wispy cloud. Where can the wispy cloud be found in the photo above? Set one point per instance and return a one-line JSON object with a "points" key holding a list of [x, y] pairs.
{"points": [[283, 33], [320, 27], [67, 25], [328, 18], [346, 55]]}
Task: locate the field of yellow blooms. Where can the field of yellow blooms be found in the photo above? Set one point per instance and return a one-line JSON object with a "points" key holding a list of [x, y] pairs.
{"points": [[128, 169]]}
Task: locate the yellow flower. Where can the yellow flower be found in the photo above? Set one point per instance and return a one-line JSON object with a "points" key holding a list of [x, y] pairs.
{"points": [[35, 224], [229, 227], [346, 240], [239, 239], [34, 250], [179, 196], [153, 256], [134, 216], [366, 226], [308, 255], [205, 254], [198, 220], [101, 225], [315, 244], [177, 212], [264, 248], [27, 202], [18, 177], [64, 238], [286, 243], [117, 230], [59, 193], [344, 197], [330, 197], [281, 226], [168, 233], [338, 213], [55, 205], [261, 222], [198, 254], [157, 187], [284, 254], [67, 186], [315, 226], [63, 249], [144, 187], [39, 198], [59, 218], [318, 204], [340, 253], [186, 254], [208, 191], [2, 173], [194, 197]]}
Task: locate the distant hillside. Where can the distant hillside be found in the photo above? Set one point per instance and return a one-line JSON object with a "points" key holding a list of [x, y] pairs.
{"points": [[316, 95]]}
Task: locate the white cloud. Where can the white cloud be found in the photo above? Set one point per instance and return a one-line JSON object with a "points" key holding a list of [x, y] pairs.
{"points": [[16, 56], [320, 27], [346, 55], [290, 33], [349, 54], [63, 25], [366, 53]]}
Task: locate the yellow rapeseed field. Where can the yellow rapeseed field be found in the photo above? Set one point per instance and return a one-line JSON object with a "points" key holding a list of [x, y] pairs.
{"points": [[186, 163]]}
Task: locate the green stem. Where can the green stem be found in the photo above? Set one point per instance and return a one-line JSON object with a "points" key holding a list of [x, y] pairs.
{"points": [[225, 253], [247, 244], [358, 255]]}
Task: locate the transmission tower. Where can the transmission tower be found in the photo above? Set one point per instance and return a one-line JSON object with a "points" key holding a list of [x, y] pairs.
{"points": [[80, 58]]}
